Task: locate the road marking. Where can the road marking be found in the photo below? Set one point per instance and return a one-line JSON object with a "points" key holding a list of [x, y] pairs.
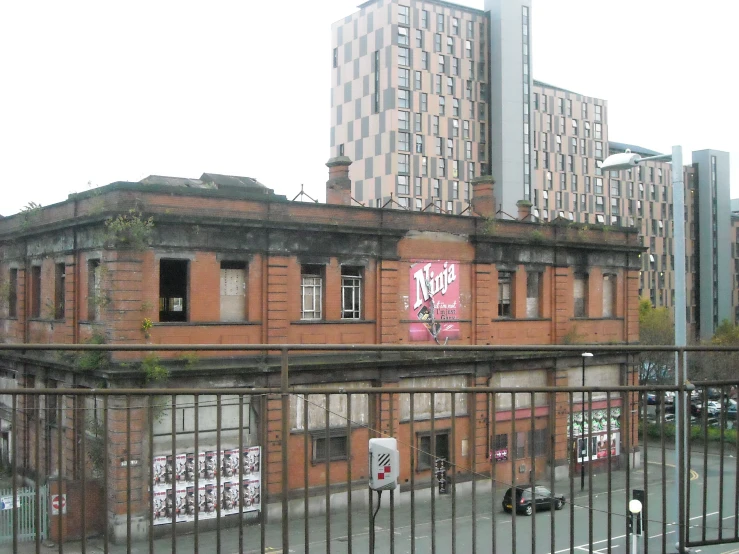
{"points": [[693, 473]]}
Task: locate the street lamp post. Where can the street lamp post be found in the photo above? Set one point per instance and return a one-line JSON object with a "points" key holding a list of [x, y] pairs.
{"points": [[635, 509], [582, 432], [627, 160]]}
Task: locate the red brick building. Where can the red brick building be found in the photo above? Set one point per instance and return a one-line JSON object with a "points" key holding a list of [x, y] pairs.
{"points": [[224, 260]]}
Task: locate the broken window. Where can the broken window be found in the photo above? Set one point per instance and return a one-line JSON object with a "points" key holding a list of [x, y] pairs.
{"points": [[173, 276], [233, 291], [428, 453], [505, 285], [351, 292], [36, 291], [59, 278], [93, 290], [311, 292]]}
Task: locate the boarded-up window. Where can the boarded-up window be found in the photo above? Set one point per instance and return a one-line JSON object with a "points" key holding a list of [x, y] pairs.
{"points": [[609, 295], [59, 290], [13, 293], [233, 291], [93, 290], [336, 410], [442, 406], [533, 294], [509, 379], [505, 284], [580, 294], [595, 376], [36, 291]]}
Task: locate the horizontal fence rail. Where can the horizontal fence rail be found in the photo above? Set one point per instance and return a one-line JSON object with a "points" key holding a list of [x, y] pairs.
{"points": [[484, 466]]}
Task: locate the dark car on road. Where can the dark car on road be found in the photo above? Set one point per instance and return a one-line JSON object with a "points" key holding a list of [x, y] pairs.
{"points": [[526, 496]]}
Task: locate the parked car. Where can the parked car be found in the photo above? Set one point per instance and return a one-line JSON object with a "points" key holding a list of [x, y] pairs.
{"points": [[651, 398], [731, 410], [544, 498]]}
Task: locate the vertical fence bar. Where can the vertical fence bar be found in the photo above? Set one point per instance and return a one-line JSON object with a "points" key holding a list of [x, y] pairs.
{"points": [[736, 480], [663, 530], [106, 463], [240, 473], [590, 469], [514, 457], [493, 469], [37, 487], [306, 482], [391, 419], [219, 470], [453, 472], [285, 398], [722, 421], [532, 471], [60, 462], [150, 471], [704, 424], [473, 468], [609, 523], [14, 469], [685, 428], [128, 475], [171, 498], [327, 471], [196, 485], [83, 463], [645, 465], [432, 463], [575, 442], [626, 425], [551, 401], [412, 432], [349, 472]]}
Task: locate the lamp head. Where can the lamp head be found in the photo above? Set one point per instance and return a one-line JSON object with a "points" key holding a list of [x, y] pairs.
{"points": [[625, 160], [587, 354], [634, 506]]}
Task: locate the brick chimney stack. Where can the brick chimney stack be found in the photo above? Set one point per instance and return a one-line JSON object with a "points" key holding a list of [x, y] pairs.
{"points": [[339, 186], [483, 196], [524, 210]]}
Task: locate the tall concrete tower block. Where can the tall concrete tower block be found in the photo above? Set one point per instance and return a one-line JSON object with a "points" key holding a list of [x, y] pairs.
{"points": [[510, 100]]}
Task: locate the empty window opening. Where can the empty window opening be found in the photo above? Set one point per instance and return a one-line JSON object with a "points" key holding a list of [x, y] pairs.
{"points": [[173, 290]]}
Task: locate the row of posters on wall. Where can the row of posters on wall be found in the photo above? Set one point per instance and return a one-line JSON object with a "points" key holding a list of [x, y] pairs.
{"points": [[174, 484]]}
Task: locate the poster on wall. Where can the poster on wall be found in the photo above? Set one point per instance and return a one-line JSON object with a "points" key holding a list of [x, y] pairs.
{"points": [[434, 301], [596, 425], [175, 495]]}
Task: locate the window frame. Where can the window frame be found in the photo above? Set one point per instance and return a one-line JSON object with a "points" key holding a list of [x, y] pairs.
{"points": [[426, 459], [312, 278], [506, 280]]}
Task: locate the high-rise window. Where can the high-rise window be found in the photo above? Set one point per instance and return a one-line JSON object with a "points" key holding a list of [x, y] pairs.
{"points": [[404, 75], [336, 57], [376, 92], [455, 107], [404, 56], [424, 19], [404, 99], [455, 26], [404, 17], [403, 38], [424, 102], [419, 38], [404, 164], [403, 186], [404, 142], [403, 122], [439, 22]]}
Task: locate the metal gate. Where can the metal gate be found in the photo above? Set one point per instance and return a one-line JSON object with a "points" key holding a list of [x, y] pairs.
{"points": [[25, 512]]}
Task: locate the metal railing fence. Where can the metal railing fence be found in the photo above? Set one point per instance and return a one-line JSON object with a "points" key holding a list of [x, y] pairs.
{"points": [[296, 476]]}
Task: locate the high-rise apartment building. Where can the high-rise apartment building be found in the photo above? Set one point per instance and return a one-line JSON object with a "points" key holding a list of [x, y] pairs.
{"points": [[427, 95]]}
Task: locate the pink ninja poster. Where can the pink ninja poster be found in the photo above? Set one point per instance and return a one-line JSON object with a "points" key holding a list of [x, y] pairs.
{"points": [[434, 301]]}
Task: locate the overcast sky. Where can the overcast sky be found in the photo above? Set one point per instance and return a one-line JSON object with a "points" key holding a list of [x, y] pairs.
{"points": [[97, 92]]}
